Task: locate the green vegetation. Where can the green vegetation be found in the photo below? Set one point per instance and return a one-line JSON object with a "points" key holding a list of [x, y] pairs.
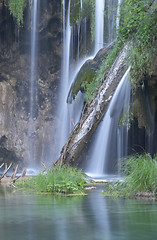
{"points": [[139, 24], [16, 8], [57, 180], [90, 77], [140, 176], [91, 87]]}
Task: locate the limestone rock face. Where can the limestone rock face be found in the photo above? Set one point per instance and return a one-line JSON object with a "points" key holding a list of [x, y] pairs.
{"points": [[19, 133]]}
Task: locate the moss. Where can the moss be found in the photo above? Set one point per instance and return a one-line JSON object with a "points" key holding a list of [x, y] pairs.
{"points": [[16, 8], [86, 75], [74, 12], [91, 74]]}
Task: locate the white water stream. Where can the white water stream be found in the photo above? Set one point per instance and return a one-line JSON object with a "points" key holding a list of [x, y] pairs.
{"points": [[99, 24], [108, 142], [33, 76], [69, 114], [118, 16]]}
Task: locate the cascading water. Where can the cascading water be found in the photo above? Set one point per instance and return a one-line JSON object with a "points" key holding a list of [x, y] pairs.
{"points": [[109, 141], [99, 24], [69, 114], [112, 12], [33, 76], [64, 87], [118, 16], [81, 4]]}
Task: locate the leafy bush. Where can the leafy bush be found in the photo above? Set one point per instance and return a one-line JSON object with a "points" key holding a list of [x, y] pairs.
{"points": [[139, 23], [140, 176], [57, 180]]}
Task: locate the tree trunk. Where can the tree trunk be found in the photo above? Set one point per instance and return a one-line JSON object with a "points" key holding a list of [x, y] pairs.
{"points": [[90, 120]]}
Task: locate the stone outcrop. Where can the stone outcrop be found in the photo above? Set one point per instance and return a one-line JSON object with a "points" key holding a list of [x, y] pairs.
{"points": [[16, 135]]}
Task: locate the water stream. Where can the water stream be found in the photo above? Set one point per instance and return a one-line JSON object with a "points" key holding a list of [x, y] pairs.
{"points": [[38, 217], [64, 86], [99, 24], [69, 114], [109, 144], [33, 82]]}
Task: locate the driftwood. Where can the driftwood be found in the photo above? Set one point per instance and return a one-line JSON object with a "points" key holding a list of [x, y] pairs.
{"points": [[1, 165], [24, 172], [13, 178], [44, 166], [21, 176], [90, 120], [15, 172], [5, 171]]}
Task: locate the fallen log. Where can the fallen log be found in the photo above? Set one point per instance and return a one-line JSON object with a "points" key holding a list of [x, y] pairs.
{"points": [[89, 121]]}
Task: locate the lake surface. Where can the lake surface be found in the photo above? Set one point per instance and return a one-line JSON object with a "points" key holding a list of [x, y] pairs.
{"points": [[92, 217]]}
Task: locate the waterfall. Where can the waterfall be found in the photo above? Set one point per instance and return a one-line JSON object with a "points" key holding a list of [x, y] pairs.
{"points": [[69, 114], [110, 137], [118, 16], [33, 57], [81, 3], [64, 87], [33, 79], [99, 24]]}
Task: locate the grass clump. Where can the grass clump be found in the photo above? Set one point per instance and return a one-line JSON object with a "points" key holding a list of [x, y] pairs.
{"points": [[140, 176], [65, 180]]}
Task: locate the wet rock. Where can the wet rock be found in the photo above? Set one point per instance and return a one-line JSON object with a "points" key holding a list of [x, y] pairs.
{"points": [[16, 133]]}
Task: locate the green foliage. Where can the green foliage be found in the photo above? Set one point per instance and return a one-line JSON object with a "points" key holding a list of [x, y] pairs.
{"points": [[92, 87], [140, 176], [16, 8], [58, 180], [112, 55], [139, 24], [74, 12]]}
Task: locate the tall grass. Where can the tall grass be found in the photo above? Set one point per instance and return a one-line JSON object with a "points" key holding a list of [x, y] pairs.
{"points": [[140, 175], [58, 180]]}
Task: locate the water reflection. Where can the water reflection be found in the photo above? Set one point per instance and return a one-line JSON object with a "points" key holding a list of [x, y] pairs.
{"points": [[31, 217]]}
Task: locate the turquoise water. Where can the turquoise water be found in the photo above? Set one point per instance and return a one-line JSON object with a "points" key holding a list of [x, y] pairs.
{"points": [[93, 217]]}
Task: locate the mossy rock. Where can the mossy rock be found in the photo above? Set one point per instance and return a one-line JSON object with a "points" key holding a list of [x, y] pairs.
{"points": [[88, 73]]}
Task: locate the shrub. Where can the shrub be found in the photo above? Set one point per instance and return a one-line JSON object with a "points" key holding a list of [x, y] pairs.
{"points": [[58, 180], [139, 23]]}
